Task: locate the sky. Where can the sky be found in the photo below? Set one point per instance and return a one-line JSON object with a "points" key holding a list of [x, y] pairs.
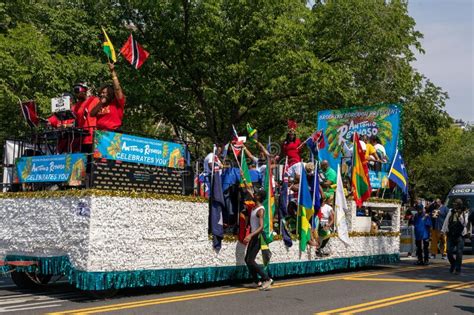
{"points": [[447, 26]]}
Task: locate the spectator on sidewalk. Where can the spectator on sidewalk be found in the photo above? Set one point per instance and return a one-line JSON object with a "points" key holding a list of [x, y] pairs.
{"points": [[422, 223], [438, 214], [456, 227]]}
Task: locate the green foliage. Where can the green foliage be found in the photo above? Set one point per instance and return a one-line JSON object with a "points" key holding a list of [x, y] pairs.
{"points": [[450, 162], [215, 63]]}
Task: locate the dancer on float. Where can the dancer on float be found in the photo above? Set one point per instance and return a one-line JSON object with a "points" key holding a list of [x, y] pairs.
{"points": [[292, 145]]}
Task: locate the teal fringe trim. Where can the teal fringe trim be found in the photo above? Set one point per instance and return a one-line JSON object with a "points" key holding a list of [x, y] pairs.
{"points": [[140, 278]]}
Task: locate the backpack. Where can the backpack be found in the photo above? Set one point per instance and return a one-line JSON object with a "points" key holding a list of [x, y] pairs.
{"points": [[455, 227]]}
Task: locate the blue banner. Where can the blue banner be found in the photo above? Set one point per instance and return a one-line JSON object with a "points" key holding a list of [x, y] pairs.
{"points": [[339, 126], [378, 179], [52, 168], [122, 147]]}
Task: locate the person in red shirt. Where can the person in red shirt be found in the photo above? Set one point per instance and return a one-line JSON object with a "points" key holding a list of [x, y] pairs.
{"points": [[292, 148], [109, 111], [82, 110]]}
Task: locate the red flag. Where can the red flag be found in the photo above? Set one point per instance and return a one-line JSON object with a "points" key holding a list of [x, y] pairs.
{"points": [[318, 138], [28, 109], [134, 53]]}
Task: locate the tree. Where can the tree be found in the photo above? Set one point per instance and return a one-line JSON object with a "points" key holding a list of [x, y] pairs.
{"points": [[451, 162]]}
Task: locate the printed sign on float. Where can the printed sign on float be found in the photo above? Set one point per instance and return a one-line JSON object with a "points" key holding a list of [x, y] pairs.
{"points": [[339, 126], [122, 147], [51, 168]]}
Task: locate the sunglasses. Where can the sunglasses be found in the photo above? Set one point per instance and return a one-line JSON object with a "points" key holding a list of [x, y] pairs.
{"points": [[79, 89]]}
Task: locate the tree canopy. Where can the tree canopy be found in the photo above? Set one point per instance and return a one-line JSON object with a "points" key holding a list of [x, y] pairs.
{"points": [[214, 63]]}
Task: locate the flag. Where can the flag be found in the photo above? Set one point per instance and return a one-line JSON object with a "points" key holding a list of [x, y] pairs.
{"points": [[217, 205], [283, 206], [316, 199], [360, 174], [237, 142], [398, 173], [315, 143], [245, 179], [305, 211], [252, 133], [134, 52], [341, 209], [28, 109], [269, 205], [108, 47], [238, 145]]}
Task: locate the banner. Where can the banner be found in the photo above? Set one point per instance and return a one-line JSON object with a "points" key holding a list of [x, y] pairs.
{"points": [[378, 179], [51, 168], [339, 126], [122, 147]]}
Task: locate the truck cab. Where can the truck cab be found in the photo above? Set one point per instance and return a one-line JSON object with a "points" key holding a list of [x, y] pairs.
{"points": [[466, 193]]}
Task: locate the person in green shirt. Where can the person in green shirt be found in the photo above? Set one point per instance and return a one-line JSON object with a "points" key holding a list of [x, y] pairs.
{"points": [[328, 183]]}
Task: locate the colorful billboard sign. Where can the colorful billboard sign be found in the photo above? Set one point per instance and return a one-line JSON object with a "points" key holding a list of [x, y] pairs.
{"points": [[51, 168], [122, 147], [339, 126]]}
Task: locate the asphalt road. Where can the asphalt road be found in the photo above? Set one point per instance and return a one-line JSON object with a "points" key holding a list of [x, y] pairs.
{"points": [[397, 289]]}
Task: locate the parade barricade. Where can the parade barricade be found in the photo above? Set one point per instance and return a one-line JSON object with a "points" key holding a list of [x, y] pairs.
{"points": [[407, 239]]}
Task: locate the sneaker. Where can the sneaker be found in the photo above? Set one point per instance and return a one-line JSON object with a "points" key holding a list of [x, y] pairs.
{"points": [[419, 263], [259, 284], [433, 257], [266, 285], [426, 262], [457, 272], [444, 257]]}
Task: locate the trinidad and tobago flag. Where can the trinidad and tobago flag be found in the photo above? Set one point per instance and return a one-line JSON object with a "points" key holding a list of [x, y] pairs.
{"points": [[28, 109], [134, 53]]}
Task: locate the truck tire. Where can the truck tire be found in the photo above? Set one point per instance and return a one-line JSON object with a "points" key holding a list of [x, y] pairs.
{"points": [[24, 280]]}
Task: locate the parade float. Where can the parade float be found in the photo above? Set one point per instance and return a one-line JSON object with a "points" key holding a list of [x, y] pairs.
{"points": [[135, 223]]}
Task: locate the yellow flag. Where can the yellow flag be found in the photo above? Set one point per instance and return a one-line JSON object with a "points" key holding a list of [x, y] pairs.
{"points": [[108, 47]]}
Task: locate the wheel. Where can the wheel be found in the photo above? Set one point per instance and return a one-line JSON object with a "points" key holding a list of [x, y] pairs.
{"points": [[102, 294], [28, 280]]}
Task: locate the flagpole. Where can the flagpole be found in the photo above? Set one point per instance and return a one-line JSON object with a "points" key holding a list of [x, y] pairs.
{"points": [[212, 170], [390, 172], [302, 144], [287, 194]]}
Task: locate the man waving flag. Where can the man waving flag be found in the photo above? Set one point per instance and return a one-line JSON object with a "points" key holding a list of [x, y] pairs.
{"points": [[398, 173]]}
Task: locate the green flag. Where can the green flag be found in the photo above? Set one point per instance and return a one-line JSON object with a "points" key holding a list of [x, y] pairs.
{"points": [[245, 179], [269, 205]]}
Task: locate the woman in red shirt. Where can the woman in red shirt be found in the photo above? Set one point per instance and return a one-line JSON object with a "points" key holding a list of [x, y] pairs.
{"points": [[291, 148], [109, 111]]}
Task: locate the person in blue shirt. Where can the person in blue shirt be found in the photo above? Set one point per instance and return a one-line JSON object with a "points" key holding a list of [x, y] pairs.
{"points": [[255, 176], [422, 224]]}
